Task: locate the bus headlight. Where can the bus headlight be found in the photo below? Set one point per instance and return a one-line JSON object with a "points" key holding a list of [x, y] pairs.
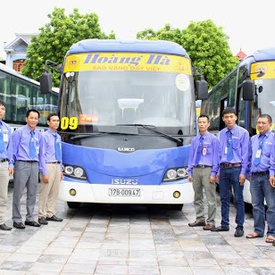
{"points": [[78, 172], [175, 174], [68, 170], [171, 174], [74, 172]]}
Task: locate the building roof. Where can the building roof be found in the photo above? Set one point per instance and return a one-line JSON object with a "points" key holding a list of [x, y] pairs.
{"points": [[241, 55], [21, 38]]}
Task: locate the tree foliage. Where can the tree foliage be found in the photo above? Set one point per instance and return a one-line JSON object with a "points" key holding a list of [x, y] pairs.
{"points": [[205, 43], [56, 37]]}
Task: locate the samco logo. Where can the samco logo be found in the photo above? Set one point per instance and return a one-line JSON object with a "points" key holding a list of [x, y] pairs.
{"points": [[126, 149]]}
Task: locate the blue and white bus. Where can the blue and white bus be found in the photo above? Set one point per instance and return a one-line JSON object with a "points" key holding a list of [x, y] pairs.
{"points": [[249, 88], [128, 114]]}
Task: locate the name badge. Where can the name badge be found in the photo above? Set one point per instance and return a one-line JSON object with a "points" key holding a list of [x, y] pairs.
{"points": [[5, 137], [258, 153], [225, 150], [204, 150]]}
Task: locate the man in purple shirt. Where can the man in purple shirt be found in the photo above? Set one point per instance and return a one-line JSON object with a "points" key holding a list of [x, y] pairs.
{"points": [[51, 171], [203, 166], [25, 142], [261, 174], [6, 166], [234, 147]]}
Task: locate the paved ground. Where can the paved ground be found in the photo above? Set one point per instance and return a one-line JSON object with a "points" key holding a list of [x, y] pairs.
{"points": [[135, 240]]}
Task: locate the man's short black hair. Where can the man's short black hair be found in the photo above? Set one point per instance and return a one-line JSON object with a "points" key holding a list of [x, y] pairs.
{"points": [[2, 103], [51, 115], [32, 110], [203, 115], [269, 118], [229, 110]]}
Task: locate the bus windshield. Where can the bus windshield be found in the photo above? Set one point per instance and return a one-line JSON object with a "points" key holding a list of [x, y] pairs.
{"points": [[104, 98], [265, 97]]}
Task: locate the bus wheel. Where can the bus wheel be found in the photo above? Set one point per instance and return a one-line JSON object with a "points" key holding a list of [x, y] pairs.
{"points": [[177, 207], [72, 204]]}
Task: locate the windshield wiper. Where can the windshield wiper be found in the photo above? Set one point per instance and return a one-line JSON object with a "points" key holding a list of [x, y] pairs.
{"points": [[73, 136], [80, 135], [153, 129]]}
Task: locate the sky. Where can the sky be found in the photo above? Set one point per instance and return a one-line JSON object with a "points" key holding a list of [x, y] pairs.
{"points": [[249, 24]]}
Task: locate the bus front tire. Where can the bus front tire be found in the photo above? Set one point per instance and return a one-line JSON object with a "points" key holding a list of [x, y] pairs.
{"points": [[72, 204]]}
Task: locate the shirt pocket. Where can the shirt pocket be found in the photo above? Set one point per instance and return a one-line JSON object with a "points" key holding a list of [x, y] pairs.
{"points": [[236, 145]]}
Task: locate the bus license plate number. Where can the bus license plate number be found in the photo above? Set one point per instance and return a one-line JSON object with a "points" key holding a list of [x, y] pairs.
{"points": [[122, 192]]}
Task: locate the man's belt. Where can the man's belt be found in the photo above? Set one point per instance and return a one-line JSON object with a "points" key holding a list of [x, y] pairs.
{"points": [[202, 166], [262, 173], [230, 165]]}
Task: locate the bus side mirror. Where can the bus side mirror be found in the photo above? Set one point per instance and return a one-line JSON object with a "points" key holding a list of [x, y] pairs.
{"points": [[248, 90], [46, 83], [202, 89]]}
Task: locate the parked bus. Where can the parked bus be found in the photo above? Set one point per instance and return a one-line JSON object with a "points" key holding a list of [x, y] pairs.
{"points": [[20, 94], [127, 112], [249, 88]]}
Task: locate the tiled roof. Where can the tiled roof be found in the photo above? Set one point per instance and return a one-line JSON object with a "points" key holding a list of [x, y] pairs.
{"points": [[241, 55]]}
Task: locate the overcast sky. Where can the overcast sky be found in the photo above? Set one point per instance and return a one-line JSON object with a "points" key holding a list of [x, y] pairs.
{"points": [[248, 23]]}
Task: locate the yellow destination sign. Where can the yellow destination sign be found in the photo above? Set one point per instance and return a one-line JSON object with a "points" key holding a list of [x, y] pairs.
{"points": [[144, 62]]}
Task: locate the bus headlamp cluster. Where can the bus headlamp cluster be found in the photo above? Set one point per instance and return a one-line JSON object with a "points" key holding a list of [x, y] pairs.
{"points": [[74, 172], [175, 174]]}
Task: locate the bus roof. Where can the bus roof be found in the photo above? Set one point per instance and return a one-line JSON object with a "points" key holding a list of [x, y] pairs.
{"points": [[9, 70], [113, 45], [260, 55]]}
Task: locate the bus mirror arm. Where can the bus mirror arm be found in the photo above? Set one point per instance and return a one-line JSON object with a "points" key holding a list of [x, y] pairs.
{"points": [[53, 65]]}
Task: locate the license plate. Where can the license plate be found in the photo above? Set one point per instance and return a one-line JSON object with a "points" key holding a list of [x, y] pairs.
{"points": [[123, 192]]}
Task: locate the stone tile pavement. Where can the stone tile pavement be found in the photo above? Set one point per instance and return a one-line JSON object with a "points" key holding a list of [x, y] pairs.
{"points": [[134, 240]]}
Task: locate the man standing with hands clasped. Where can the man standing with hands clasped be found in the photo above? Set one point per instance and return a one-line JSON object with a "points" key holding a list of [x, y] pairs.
{"points": [[51, 171], [234, 151], [25, 155], [203, 166], [262, 183]]}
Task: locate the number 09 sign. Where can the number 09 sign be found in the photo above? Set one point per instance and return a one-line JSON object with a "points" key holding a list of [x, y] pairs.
{"points": [[69, 123]]}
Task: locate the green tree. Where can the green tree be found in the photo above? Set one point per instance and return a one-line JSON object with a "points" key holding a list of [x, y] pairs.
{"points": [[208, 48], [205, 43], [56, 37], [166, 33]]}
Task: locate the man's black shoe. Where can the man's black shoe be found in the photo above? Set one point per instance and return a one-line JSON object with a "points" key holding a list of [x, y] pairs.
{"points": [[19, 225], [220, 228], [4, 227], [239, 233], [54, 219], [42, 221], [32, 223]]}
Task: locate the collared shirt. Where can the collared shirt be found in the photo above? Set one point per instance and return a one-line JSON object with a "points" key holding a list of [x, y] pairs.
{"points": [[7, 154], [210, 153], [240, 144], [264, 165], [21, 141], [47, 150], [267, 162]]}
